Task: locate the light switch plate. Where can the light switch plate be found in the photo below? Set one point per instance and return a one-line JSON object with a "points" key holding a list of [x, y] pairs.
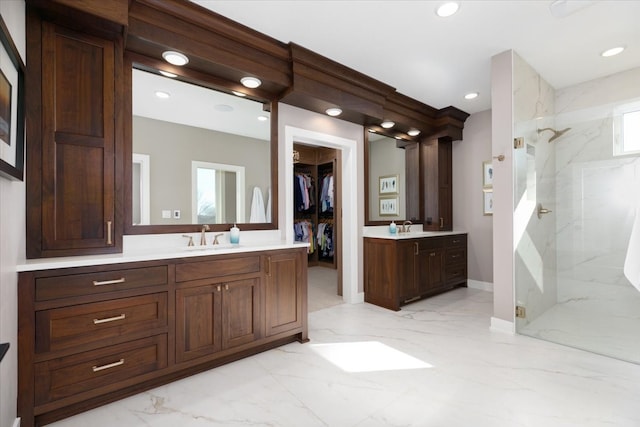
{"points": [[518, 142], [166, 214]]}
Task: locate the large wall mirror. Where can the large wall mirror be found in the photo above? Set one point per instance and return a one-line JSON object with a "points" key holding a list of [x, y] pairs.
{"points": [[389, 181], [199, 156]]}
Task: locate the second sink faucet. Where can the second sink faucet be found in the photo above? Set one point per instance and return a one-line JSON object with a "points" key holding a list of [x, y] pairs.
{"points": [[405, 227], [203, 239]]}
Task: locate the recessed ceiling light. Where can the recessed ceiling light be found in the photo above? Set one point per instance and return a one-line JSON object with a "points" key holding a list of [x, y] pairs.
{"points": [[447, 9], [240, 94], [223, 108], [168, 74], [333, 112], [387, 124], [471, 95], [175, 58], [612, 52], [263, 118], [162, 95], [250, 82], [413, 132]]}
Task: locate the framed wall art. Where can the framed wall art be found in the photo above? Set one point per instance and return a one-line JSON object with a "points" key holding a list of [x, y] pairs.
{"points": [[11, 108], [388, 184], [388, 206], [487, 174], [487, 201]]}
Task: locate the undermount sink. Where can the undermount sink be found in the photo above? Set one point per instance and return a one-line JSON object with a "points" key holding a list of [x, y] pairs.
{"points": [[217, 247]]}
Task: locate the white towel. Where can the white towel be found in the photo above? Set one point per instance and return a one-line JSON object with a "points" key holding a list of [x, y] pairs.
{"points": [[257, 207], [632, 261], [267, 214]]}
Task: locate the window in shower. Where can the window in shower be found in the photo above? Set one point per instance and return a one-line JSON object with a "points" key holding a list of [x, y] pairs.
{"points": [[627, 131]]}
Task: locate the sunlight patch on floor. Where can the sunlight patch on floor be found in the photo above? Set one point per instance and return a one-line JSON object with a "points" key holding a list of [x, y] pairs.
{"points": [[367, 356]]}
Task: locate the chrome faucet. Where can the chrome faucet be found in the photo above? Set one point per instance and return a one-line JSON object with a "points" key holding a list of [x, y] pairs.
{"points": [[405, 227], [215, 239], [203, 239]]}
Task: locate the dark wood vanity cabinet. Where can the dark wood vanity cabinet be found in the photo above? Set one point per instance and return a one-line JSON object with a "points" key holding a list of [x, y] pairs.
{"points": [[397, 272], [91, 335], [72, 141]]}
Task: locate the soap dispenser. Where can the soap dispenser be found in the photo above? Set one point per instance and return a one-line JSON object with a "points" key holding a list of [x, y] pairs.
{"points": [[234, 234], [392, 227]]}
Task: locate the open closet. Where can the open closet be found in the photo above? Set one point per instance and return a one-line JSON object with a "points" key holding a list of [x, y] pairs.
{"points": [[316, 183]]}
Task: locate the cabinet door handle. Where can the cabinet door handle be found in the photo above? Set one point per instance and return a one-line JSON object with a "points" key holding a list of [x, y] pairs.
{"points": [[108, 366], [417, 249], [432, 254], [226, 286], [109, 239], [441, 222], [269, 266], [109, 319], [219, 288], [108, 282], [456, 241], [455, 256]]}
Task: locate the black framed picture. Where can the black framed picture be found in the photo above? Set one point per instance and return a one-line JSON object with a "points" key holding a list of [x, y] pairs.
{"points": [[11, 108]]}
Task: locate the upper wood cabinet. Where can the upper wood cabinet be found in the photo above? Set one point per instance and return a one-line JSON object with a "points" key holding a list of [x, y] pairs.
{"points": [[74, 202], [436, 183]]}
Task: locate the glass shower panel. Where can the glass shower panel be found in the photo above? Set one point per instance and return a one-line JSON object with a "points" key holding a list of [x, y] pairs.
{"points": [[582, 298]]}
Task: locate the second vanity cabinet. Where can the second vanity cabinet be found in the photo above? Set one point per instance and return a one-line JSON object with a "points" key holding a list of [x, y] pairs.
{"points": [[400, 271], [91, 335]]}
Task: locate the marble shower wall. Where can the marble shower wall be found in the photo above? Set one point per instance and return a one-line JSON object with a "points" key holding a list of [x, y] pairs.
{"points": [[534, 170], [597, 193]]}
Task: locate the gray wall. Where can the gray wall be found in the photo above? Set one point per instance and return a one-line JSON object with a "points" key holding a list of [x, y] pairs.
{"points": [[468, 156], [12, 245], [170, 168], [385, 159]]}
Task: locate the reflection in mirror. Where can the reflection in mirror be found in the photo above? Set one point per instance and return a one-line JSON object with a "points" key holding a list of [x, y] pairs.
{"points": [[387, 198], [217, 193], [196, 124]]}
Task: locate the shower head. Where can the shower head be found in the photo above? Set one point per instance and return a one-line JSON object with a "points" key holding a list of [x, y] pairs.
{"points": [[556, 133]]}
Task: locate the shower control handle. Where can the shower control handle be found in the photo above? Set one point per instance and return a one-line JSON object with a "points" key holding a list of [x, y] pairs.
{"points": [[542, 211]]}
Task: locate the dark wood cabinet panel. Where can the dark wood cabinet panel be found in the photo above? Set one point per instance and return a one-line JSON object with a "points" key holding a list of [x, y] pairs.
{"points": [[198, 316], [72, 142], [285, 292], [436, 158], [241, 312], [397, 272]]}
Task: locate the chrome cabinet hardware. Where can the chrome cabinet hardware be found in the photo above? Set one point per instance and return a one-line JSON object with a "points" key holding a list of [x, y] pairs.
{"points": [[109, 319], [109, 229], [108, 366], [108, 282]]}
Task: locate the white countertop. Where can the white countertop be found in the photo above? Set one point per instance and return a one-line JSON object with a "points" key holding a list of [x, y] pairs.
{"points": [[383, 233], [152, 254]]}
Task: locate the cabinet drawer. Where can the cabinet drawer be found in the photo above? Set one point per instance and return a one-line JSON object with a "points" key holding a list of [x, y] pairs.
{"points": [[63, 328], [217, 268], [457, 240], [456, 275], [456, 256], [49, 288], [89, 371]]}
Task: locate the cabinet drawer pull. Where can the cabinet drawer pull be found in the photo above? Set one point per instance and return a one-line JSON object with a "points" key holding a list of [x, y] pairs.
{"points": [[456, 241], [109, 319], [417, 249], [108, 282], [269, 266], [219, 288], [441, 222], [109, 240], [108, 366], [455, 256], [226, 287], [432, 254]]}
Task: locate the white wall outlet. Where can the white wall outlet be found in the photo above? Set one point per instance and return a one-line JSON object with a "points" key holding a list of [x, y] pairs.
{"points": [[176, 214], [166, 214]]}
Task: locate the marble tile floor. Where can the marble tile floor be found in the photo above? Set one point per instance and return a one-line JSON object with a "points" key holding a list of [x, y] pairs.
{"points": [[322, 284], [463, 375], [598, 317]]}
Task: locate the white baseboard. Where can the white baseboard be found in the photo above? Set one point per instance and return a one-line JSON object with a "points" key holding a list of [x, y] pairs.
{"points": [[503, 326], [477, 284], [16, 423]]}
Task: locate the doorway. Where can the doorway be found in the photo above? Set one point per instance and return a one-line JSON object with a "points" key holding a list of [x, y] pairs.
{"points": [[348, 262]]}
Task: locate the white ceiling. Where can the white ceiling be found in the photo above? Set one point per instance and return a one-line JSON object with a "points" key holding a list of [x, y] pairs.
{"points": [[435, 60]]}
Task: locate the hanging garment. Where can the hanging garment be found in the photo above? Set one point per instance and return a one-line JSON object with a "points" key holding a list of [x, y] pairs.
{"points": [[303, 232], [257, 207], [267, 213]]}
